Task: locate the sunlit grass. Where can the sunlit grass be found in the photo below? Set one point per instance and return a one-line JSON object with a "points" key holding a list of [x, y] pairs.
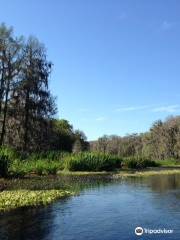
{"points": [[169, 163], [146, 173], [40, 167], [82, 173], [87, 161]]}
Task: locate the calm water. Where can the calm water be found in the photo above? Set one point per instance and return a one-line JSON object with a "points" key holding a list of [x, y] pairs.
{"points": [[103, 211]]}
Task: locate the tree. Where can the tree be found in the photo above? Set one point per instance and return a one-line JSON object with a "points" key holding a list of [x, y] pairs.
{"points": [[26, 104], [62, 135], [10, 60], [77, 146], [81, 140]]}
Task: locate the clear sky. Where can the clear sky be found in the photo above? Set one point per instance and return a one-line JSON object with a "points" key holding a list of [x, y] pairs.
{"points": [[116, 62]]}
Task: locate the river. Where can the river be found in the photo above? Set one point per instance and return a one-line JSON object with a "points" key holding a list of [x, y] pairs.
{"points": [[103, 211]]}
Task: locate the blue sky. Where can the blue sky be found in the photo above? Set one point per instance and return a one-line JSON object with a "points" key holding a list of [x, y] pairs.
{"points": [[116, 63]]}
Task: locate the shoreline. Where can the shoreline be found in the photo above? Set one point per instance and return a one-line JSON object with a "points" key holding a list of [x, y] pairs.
{"points": [[125, 172], [12, 199]]}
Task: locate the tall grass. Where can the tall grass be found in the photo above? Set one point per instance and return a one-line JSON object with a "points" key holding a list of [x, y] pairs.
{"points": [[169, 162], [138, 162], [50, 162], [50, 155], [43, 163], [91, 162], [9, 153], [39, 167]]}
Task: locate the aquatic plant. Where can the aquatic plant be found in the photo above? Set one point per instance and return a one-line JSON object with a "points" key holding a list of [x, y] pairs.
{"points": [[25, 198]]}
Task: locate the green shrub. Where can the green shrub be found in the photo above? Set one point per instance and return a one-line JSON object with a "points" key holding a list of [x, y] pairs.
{"points": [[91, 162], [7, 157], [138, 163], [9, 153], [49, 155], [20, 168], [17, 168], [169, 162]]}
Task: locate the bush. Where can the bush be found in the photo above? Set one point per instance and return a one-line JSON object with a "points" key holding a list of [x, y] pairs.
{"points": [[9, 153], [49, 155], [91, 162], [20, 168], [17, 168], [8, 158], [138, 163], [169, 162]]}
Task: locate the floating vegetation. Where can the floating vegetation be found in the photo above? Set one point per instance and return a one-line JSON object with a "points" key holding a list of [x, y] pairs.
{"points": [[25, 198]]}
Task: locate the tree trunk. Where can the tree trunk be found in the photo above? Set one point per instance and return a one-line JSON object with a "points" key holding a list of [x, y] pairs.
{"points": [[5, 114], [26, 122]]}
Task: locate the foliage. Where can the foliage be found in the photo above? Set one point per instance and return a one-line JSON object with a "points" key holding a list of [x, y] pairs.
{"points": [[161, 142], [6, 156], [50, 162], [26, 104], [9, 153], [138, 163], [49, 155], [24, 198], [40, 167], [65, 138], [92, 162], [27, 107], [169, 162]]}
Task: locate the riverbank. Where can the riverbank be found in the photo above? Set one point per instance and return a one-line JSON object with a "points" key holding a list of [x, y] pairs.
{"points": [[125, 172], [148, 172]]}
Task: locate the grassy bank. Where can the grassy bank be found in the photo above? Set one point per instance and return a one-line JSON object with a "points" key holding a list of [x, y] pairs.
{"points": [[51, 163], [146, 173], [25, 198], [169, 163]]}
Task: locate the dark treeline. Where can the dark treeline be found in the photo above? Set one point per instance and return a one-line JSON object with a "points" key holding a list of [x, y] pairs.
{"points": [[161, 142], [27, 107]]}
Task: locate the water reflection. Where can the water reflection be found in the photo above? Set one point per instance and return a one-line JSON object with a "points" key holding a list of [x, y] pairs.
{"points": [[105, 209]]}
